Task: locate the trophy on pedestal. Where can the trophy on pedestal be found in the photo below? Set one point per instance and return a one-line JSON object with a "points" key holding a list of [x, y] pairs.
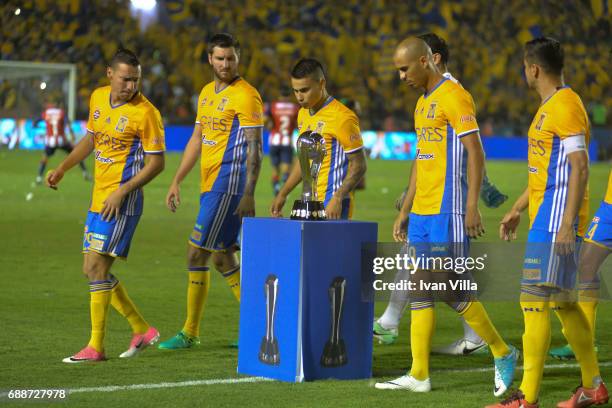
{"points": [[334, 352], [268, 351], [310, 152]]}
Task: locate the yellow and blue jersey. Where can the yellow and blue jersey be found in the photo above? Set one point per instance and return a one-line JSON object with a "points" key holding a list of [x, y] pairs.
{"points": [[222, 116], [560, 116], [339, 127], [441, 118], [608, 196], [122, 134]]}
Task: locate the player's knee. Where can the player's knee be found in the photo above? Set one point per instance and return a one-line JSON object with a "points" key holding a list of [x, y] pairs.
{"points": [[95, 271], [197, 256]]}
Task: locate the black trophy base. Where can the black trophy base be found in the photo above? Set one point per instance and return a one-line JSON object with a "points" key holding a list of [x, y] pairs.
{"points": [[334, 354], [308, 211], [268, 352]]}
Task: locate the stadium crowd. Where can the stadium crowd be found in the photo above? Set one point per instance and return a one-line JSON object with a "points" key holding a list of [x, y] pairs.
{"points": [[354, 38]]}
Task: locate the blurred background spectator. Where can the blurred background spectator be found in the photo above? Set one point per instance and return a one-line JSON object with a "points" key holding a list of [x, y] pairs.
{"points": [[355, 40]]}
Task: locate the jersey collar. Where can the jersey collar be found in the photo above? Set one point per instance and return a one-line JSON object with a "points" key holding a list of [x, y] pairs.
{"points": [[327, 102], [554, 93], [227, 86], [425, 95], [123, 103]]}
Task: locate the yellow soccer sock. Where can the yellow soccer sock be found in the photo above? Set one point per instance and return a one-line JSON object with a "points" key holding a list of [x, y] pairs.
{"points": [[232, 277], [536, 341], [100, 295], [477, 318], [422, 323], [589, 308], [579, 335], [197, 292], [588, 295], [126, 308]]}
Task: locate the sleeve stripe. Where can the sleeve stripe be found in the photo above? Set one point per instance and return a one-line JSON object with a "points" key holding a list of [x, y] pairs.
{"points": [[460, 135], [90, 131], [197, 122], [353, 150], [251, 127], [154, 151]]}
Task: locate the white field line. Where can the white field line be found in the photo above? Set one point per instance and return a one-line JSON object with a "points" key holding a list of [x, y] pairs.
{"points": [[193, 383]]}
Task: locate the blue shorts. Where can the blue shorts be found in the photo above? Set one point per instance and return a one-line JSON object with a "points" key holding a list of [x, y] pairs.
{"points": [[217, 227], [109, 237], [542, 267], [600, 230], [439, 235]]}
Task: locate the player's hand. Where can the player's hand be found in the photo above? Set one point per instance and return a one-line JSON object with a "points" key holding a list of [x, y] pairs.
{"points": [[276, 209], [173, 198], [473, 223], [400, 200], [333, 211], [565, 241], [53, 178], [400, 227], [246, 206], [112, 205], [509, 224]]}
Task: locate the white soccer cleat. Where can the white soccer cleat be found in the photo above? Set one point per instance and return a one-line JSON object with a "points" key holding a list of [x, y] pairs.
{"points": [[405, 382], [140, 342], [461, 347]]}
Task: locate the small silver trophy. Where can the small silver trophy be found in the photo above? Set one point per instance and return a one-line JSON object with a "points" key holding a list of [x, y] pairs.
{"points": [[310, 152], [268, 351]]}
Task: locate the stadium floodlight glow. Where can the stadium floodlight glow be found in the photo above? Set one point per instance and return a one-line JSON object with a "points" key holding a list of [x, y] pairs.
{"points": [[17, 11], [145, 5], [43, 85]]}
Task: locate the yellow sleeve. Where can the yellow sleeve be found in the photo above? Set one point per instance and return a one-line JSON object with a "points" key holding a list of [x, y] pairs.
{"points": [[349, 134], [90, 120], [461, 113], [200, 104], [250, 110], [152, 132], [569, 120]]}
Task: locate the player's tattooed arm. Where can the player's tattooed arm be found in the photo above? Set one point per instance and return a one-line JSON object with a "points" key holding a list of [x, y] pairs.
{"points": [[253, 137], [356, 170]]}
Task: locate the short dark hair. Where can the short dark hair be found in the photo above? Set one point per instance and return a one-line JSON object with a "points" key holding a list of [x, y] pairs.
{"points": [[308, 67], [437, 45], [223, 40], [124, 56], [547, 53]]}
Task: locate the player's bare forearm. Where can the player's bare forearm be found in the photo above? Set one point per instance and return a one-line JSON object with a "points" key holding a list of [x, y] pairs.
{"points": [[522, 202], [190, 155], [293, 180], [154, 164], [475, 167], [411, 191], [78, 154], [254, 139], [578, 179], [356, 170]]}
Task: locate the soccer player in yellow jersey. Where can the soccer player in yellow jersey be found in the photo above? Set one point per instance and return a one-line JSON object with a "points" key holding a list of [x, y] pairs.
{"points": [[227, 137], [344, 164], [442, 204], [557, 198], [126, 134]]}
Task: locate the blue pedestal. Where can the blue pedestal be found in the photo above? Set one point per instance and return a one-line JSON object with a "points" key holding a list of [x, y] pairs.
{"points": [[301, 312]]}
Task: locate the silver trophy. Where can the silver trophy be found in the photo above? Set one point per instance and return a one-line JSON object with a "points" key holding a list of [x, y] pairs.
{"points": [[310, 152], [268, 351], [334, 352]]}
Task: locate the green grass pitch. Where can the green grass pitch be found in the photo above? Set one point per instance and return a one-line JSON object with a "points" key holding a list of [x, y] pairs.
{"points": [[44, 302]]}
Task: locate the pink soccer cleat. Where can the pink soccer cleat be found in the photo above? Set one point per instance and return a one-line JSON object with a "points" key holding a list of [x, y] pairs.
{"points": [[140, 342], [86, 355]]}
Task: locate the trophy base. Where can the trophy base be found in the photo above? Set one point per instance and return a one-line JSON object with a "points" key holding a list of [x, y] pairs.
{"points": [[308, 211]]}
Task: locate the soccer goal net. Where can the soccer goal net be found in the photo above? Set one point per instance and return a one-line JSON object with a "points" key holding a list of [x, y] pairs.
{"points": [[26, 88]]}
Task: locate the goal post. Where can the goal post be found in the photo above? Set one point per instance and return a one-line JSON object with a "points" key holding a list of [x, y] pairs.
{"points": [[30, 81]]}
